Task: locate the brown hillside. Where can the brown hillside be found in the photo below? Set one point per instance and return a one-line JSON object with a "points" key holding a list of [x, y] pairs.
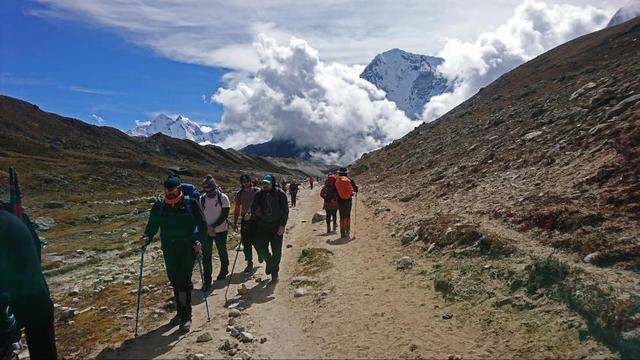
{"points": [[547, 158]]}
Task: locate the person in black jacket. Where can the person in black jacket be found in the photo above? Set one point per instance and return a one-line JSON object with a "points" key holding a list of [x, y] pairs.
{"points": [[23, 292], [182, 231], [270, 208]]}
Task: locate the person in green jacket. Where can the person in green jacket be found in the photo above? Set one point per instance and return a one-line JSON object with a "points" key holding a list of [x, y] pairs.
{"points": [[182, 231]]}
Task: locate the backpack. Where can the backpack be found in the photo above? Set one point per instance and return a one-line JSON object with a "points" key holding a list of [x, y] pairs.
{"points": [[344, 187], [329, 193], [190, 190], [202, 200]]}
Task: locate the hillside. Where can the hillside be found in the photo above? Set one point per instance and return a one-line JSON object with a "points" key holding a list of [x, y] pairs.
{"points": [[44, 147], [536, 177]]}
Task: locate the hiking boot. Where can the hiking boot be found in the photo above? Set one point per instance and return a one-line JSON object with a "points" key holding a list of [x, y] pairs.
{"points": [[328, 229], [260, 259], [274, 277], [249, 268], [222, 274], [206, 287], [185, 325], [175, 321]]}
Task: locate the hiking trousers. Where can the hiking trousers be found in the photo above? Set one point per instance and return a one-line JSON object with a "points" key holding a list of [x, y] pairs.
{"points": [[267, 235], [207, 255], [344, 207], [332, 216], [179, 258], [247, 230], [294, 195]]}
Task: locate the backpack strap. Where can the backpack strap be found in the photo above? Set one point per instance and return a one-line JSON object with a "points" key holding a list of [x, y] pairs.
{"points": [[187, 203]]}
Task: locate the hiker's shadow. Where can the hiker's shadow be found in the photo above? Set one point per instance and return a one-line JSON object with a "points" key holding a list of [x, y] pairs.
{"points": [[341, 241], [150, 345], [259, 294]]}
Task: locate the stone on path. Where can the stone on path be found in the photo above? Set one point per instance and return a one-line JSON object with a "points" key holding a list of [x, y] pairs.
{"points": [[300, 292], [204, 337], [242, 290], [247, 337], [318, 217], [234, 313], [404, 263]]}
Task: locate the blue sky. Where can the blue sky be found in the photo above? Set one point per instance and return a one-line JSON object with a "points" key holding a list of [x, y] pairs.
{"points": [[69, 69]]}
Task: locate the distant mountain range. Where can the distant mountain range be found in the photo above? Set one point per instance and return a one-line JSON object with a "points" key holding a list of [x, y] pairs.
{"points": [[409, 80], [180, 127]]}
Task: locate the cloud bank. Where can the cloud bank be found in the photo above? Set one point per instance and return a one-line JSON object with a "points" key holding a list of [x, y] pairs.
{"points": [[534, 28], [221, 32], [294, 95]]}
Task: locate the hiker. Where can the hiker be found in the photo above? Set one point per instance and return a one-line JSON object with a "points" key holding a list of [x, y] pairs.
{"points": [[32, 229], [215, 207], [244, 199], [330, 196], [311, 180], [24, 296], [283, 185], [270, 208], [293, 190], [182, 233], [345, 188]]}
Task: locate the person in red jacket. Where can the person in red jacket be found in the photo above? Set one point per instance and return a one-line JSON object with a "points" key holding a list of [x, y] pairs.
{"points": [[330, 196], [311, 180], [345, 187]]}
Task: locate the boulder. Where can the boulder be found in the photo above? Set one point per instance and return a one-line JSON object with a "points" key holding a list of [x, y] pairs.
{"points": [[54, 205], [623, 106], [588, 86], [319, 216], [44, 223], [591, 258], [409, 237], [404, 263], [234, 313], [204, 337]]}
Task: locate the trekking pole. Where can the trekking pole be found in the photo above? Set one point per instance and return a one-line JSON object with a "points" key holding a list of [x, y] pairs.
{"points": [[231, 275], [355, 217], [204, 292], [135, 333]]}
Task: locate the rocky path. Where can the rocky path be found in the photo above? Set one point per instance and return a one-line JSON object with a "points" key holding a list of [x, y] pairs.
{"points": [[357, 305]]}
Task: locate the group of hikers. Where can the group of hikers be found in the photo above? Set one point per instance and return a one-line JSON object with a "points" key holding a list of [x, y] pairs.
{"points": [[189, 224]]}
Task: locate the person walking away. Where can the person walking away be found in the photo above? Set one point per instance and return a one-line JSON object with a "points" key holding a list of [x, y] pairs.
{"points": [[242, 210], [345, 188], [311, 180], [215, 207], [24, 296], [330, 196], [293, 190], [182, 231], [271, 210]]}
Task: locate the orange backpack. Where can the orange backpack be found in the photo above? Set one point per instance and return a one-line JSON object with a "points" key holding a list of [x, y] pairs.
{"points": [[344, 187]]}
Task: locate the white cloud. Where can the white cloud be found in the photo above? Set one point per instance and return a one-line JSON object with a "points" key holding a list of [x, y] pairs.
{"points": [[87, 90], [97, 119], [220, 32], [294, 95], [534, 28], [143, 123]]}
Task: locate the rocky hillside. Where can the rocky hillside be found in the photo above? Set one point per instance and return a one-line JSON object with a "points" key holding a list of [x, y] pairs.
{"points": [[538, 177]]}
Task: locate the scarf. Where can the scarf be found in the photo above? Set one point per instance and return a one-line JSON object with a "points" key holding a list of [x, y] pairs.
{"points": [[173, 202]]}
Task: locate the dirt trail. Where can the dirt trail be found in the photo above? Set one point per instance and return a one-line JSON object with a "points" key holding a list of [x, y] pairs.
{"points": [[362, 308]]}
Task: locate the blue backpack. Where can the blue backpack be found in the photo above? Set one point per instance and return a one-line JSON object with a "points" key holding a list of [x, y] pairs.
{"points": [[190, 191]]}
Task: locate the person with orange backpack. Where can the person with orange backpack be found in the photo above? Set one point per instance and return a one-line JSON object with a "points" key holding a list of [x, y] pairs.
{"points": [[345, 187], [330, 196]]}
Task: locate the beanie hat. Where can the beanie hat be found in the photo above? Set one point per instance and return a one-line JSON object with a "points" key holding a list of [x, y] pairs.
{"points": [[210, 181], [172, 181]]}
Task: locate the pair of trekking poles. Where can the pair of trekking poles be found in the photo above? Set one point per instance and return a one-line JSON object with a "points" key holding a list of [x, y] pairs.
{"points": [[204, 292]]}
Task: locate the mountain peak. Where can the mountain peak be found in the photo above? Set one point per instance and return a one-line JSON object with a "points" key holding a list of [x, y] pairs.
{"points": [[410, 80], [180, 127]]}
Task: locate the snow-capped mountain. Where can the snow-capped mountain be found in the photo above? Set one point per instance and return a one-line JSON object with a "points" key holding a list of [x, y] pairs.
{"points": [[180, 127], [625, 13], [410, 80]]}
